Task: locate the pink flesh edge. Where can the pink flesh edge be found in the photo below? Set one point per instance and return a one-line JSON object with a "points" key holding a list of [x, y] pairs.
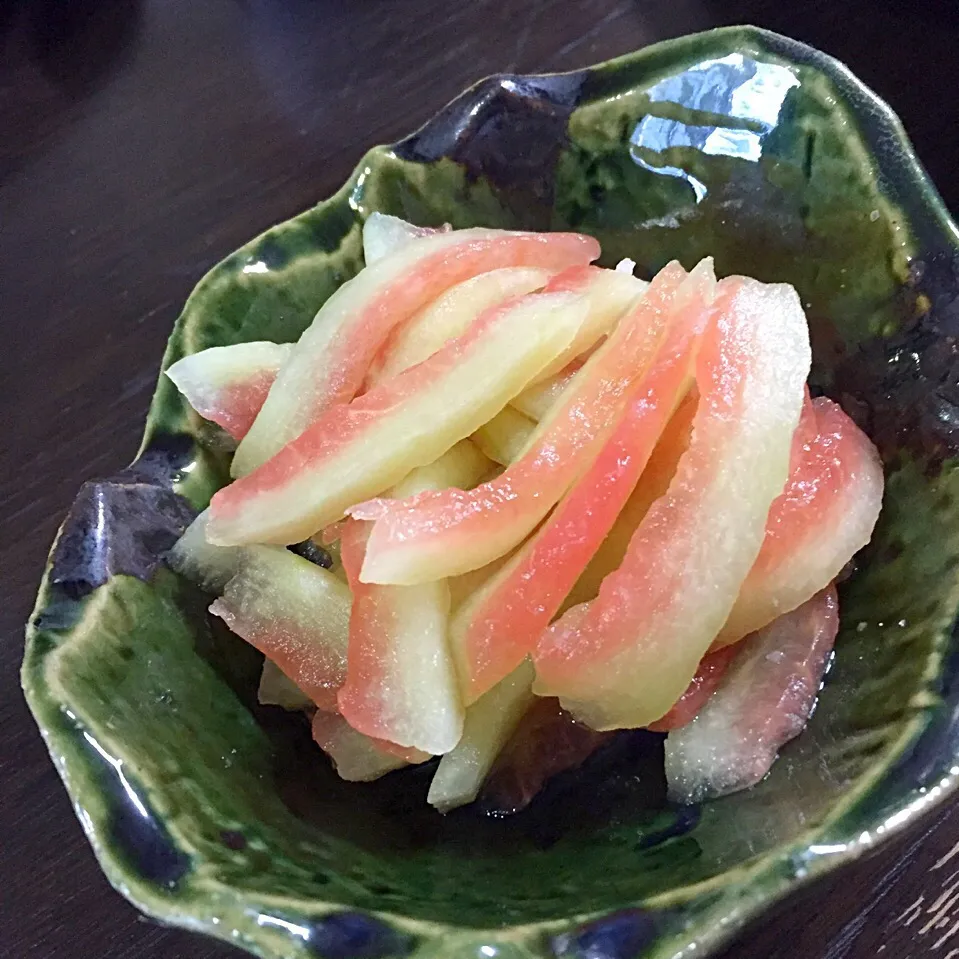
{"points": [[547, 741], [369, 638], [709, 675], [578, 657], [334, 735], [303, 662], [448, 258], [370, 699], [825, 514], [653, 483], [375, 373], [763, 701], [228, 385], [236, 406], [448, 532], [503, 630], [343, 426]]}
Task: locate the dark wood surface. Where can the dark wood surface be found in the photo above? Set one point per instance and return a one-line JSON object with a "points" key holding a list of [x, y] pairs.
{"points": [[142, 141]]}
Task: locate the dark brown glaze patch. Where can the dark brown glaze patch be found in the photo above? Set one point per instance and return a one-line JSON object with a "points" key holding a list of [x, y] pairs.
{"points": [[123, 524], [508, 131]]}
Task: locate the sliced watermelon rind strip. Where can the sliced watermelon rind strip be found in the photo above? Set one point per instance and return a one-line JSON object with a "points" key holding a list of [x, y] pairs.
{"points": [[450, 316], [825, 515], [359, 450], [774, 585], [498, 627], [332, 357], [400, 685], [451, 532], [625, 658], [763, 700], [294, 612], [229, 384]]}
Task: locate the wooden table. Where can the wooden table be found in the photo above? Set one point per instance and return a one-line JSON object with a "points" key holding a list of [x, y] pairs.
{"points": [[141, 141]]}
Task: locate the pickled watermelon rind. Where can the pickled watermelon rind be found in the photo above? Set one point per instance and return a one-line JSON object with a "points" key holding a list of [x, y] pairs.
{"points": [[833, 159]]}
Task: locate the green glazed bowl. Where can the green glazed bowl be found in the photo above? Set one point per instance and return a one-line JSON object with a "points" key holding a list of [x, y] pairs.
{"points": [[211, 813]]}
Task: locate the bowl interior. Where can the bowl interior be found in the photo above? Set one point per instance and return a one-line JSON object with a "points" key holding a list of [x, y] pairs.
{"points": [[210, 811]]}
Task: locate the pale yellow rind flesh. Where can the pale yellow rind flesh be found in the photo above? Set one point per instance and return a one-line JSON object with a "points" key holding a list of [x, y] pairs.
{"points": [[490, 722], [414, 433]]}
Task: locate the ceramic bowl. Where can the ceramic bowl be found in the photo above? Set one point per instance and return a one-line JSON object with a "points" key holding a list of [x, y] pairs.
{"points": [[211, 813]]}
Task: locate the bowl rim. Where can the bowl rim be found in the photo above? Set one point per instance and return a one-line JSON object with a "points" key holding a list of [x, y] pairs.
{"points": [[746, 890]]}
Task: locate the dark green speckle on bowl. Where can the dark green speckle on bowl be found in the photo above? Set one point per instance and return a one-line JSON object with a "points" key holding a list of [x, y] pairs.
{"points": [[212, 813]]}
